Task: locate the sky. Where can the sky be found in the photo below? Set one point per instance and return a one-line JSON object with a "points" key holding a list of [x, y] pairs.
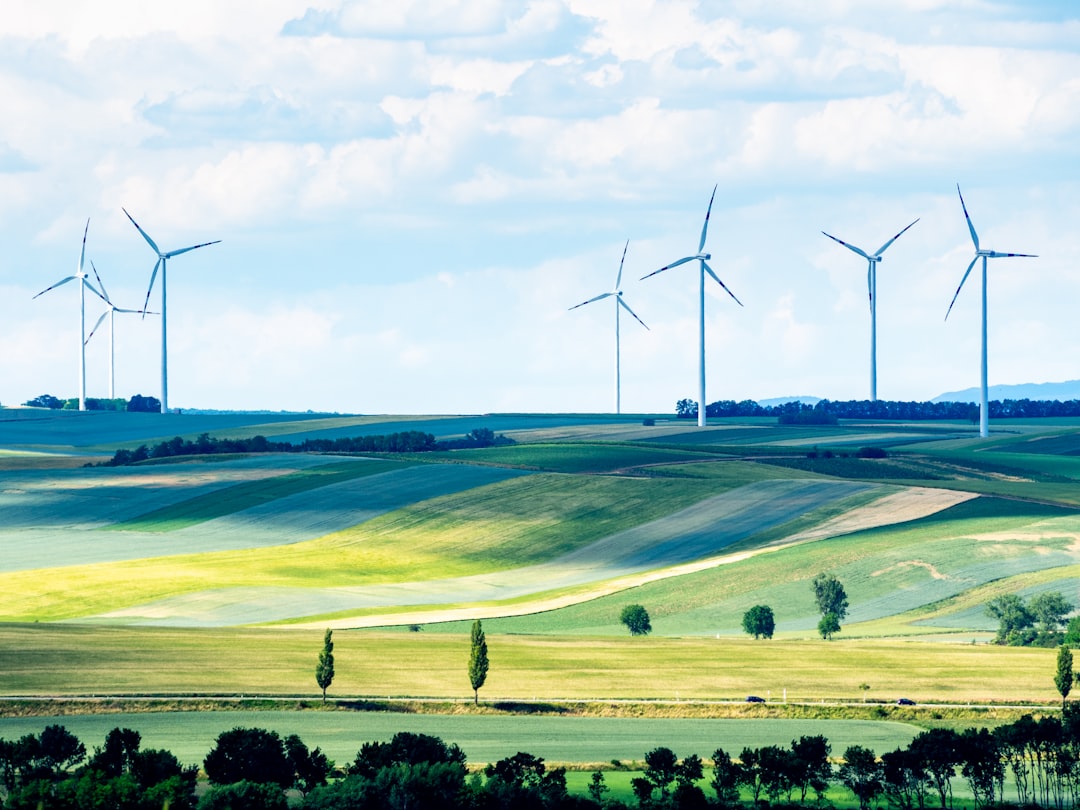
{"points": [[411, 195]]}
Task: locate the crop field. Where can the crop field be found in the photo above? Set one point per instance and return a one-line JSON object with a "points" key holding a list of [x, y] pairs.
{"points": [[484, 739]]}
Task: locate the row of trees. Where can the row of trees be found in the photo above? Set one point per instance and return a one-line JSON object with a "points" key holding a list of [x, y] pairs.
{"points": [[882, 409], [252, 768], [137, 404], [408, 441], [1036, 622]]}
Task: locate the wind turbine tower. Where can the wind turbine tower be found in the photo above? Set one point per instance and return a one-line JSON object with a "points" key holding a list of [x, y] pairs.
{"points": [[80, 276], [871, 284], [162, 261], [702, 258], [111, 313], [984, 403], [616, 293]]}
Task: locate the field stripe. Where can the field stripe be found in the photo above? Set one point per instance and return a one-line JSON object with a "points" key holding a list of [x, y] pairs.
{"points": [[694, 533]]}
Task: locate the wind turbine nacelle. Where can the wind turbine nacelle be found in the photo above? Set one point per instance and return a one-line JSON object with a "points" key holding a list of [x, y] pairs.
{"points": [[705, 256]]}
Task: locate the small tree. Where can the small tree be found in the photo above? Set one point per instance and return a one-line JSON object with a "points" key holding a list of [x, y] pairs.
{"points": [[1050, 610], [862, 774], [324, 671], [1063, 678], [758, 621], [478, 660], [828, 626], [636, 619], [1014, 618]]}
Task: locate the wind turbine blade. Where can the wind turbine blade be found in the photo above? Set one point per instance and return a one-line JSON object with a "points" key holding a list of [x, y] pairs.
{"points": [[705, 227], [82, 254], [974, 236], [54, 286], [596, 298], [618, 277], [966, 274], [153, 276], [993, 254], [172, 253], [716, 278], [104, 296], [849, 247], [669, 266], [146, 236], [626, 306], [96, 325], [93, 289], [886, 245], [870, 283]]}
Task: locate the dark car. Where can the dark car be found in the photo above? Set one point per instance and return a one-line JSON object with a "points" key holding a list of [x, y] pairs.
{"points": [[754, 699], [905, 702]]}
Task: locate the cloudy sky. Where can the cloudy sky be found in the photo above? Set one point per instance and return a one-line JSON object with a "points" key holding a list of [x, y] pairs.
{"points": [[411, 194]]}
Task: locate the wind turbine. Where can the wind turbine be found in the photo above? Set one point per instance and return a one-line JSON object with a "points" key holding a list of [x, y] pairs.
{"points": [[704, 268], [81, 277], [163, 257], [111, 313], [984, 413], [616, 293], [871, 285]]}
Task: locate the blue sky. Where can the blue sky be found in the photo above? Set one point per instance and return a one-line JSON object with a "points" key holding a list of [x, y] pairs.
{"points": [[411, 195]]}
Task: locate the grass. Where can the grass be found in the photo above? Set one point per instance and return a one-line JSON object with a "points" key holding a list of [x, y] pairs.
{"points": [[71, 659], [579, 457], [238, 497], [500, 526]]}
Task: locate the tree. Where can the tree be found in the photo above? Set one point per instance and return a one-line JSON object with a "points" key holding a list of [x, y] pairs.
{"points": [[1013, 616], [830, 596], [758, 621], [140, 404], [828, 626], [727, 776], [1063, 678], [478, 660], [324, 671], [249, 755], [310, 768], [862, 774], [636, 619], [45, 401], [1050, 610]]}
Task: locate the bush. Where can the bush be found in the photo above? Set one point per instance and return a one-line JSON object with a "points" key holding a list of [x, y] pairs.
{"points": [[872, 452]]}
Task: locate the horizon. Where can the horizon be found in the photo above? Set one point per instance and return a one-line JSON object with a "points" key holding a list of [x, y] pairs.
{"points": [[411, 198]]}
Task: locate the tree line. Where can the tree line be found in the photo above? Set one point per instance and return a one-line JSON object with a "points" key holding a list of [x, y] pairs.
{"points": [[824, 410], [137, 404], [252, 768], [408, 441]]}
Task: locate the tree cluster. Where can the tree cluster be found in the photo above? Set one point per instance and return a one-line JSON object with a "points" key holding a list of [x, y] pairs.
{"points": [[252, 768], [136, 403], [803, 413], [1035, 623], [408, 441]]}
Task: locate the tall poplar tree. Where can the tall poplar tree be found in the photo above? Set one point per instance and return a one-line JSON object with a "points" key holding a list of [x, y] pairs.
{"points": [[324, 672], [478, 660], [1063, 678]]}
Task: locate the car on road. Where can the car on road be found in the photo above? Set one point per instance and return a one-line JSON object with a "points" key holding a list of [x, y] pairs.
{"points": [[754, 699], [905, 702]]}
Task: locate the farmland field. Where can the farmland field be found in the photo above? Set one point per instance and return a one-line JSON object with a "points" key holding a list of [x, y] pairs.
{"points": [[218, 575]]}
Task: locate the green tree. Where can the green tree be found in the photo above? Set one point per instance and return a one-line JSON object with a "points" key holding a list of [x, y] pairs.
{"points": [[830, 596], [478, 660], [1063, 678], [249, 755], [727, 776], [862, 774], [1013, 617], [324, 671], [636, 619], [758, 621], [1050, 610], [828, 626]]}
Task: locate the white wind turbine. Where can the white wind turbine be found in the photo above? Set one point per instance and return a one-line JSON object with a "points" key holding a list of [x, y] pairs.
{"points": [[984, 413], [80, 276], [111, 313], [616, 293], [704, 268], [163, 257], [871, 285]]}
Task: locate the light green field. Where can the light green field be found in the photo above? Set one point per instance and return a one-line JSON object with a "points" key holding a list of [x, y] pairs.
{"points": [[61, 659]]}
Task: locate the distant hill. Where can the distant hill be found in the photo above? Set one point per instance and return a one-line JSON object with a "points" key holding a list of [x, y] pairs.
{"points": [[1062, 391]]}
